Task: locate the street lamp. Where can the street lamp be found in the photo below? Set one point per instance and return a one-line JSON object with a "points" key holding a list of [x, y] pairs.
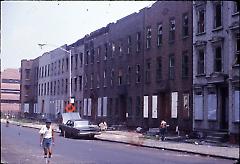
{"points": [[70, 72]]}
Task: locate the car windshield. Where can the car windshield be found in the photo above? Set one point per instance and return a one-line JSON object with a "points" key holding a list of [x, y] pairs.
{"points": [[81, 123]]}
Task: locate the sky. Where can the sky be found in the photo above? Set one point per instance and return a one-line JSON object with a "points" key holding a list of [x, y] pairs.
{"points": [[26, 24]]}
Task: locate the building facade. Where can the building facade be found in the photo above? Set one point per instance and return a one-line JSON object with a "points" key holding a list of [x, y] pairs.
{"points": [[216, 66], [10, 91], [168, 65], [29, 85]]}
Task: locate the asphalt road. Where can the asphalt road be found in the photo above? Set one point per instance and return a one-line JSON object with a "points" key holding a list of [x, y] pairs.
{"points": [[20, 145]]}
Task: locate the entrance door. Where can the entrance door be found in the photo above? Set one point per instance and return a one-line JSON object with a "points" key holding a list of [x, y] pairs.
{"points": [[123, 108], [42, 109], [223, 109]]}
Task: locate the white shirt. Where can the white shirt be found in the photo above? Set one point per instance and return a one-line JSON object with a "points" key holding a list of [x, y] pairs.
{"points": [[47, 133]]}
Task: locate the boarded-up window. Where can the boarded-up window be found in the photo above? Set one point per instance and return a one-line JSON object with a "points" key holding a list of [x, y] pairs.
{"points": [[198, 102], [174, 104], [212, 106], [89, 106], [85, 107], [35, 107], [26, 108], [145, 108], [154, 106], [99, 107], [236, 106], [104, 106]]}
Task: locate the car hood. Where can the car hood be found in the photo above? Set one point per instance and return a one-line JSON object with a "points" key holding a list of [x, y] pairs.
{"points": [[70, 116]]}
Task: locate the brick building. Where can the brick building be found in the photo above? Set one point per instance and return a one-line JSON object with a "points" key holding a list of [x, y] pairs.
{"points": [[10, 91], [168, 64], [136, 71], [29, 86]]}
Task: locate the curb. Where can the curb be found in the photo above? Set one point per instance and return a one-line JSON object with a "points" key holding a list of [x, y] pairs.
{"points": [[163, 148]]}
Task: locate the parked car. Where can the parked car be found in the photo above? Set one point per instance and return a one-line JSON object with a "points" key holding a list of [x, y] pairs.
{"points": [[78, 128]]}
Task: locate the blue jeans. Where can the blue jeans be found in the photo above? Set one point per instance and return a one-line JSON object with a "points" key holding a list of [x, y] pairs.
{"points": [[47, 143]]}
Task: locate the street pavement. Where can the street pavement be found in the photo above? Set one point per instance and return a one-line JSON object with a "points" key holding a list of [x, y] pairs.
{"points": [[137, 139]]}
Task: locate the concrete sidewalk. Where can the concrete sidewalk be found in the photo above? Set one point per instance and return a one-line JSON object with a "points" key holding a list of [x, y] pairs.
{"points": [[137, 139]]}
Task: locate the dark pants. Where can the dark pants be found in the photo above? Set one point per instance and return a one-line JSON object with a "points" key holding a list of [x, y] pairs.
{"points": [[162, 133]]}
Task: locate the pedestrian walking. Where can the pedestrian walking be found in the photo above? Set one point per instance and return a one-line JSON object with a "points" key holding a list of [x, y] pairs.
{"points": [[163, 129], [47, 140]]}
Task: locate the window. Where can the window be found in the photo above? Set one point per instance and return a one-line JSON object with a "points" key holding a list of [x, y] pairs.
{"points": [[66, 86], [120, 49], [218, 59], [236, 7], [138, 41], [148, 71], [120, 80], [172, 30], [91, 78], [236, 110], [81, 59], [98, 80], [112, 77], [87, 56], [149, 35], [174, 104], [138, 76], [200, 62], [106, 49], [129, 75], [113, 47], [62, 65], [217, 15], [39, 89], [185, 25], [42, 90], [98, 54], [159, 69], [45, 89], [48, 88], [212, 104], [62, 89], [92, 56], [67, 62], [80, 83], [159, 35], [59, 66], [54, 88], [48, 72], [27, 71], [237, 53], [51, 88], [58, 87], [76, 60], [129, 45], [75, 84], [104, 79], [40, 70], [71, 62], [171, 67], [185, 65], [201, 21], [198, 103], [45, 73]]}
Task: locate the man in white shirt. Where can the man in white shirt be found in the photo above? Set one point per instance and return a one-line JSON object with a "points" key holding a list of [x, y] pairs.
{"points": [[47, 139]]}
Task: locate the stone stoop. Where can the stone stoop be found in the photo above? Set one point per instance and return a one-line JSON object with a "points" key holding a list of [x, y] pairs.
{"points": [[216, 137]]}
